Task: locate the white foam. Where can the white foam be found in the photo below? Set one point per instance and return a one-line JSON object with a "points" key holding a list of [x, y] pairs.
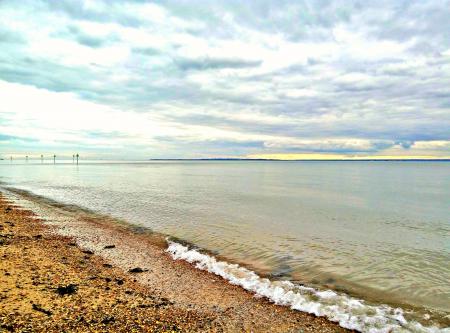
{"points": [[349, 312]]}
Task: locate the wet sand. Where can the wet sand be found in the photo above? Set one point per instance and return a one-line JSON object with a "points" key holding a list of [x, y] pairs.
{"points": [[66, 270]]}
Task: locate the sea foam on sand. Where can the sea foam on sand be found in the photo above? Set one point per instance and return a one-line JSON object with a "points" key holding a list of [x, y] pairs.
{"points": [[349, 312]]}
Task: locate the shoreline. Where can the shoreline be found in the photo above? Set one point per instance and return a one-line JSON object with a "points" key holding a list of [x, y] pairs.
{"points": [[122, 281]]}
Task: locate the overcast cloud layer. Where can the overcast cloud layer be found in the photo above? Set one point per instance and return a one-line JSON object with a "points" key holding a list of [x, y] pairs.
{"points": [[132, 79]]}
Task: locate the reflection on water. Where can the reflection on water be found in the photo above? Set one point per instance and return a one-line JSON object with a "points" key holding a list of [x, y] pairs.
{"points": [[375, 228]]}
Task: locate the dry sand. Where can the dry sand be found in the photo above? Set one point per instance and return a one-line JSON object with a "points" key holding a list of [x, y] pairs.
{"points": [[69, 271]]}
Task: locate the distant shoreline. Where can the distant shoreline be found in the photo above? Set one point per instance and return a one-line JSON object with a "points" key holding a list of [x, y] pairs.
{"points": [[301, 160]]}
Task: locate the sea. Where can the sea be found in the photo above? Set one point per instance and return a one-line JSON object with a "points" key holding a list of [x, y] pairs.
{"points": [[363, 243]]}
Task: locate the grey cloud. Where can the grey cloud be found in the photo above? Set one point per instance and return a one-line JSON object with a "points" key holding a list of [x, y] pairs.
{"points": [[208, 148], [416, 18], [75, 33], [8, 36], [44, 74], [4, 137], [405, 144], [106, 135], [214, 63], [146, 51], [79, 10], [90, 41]]}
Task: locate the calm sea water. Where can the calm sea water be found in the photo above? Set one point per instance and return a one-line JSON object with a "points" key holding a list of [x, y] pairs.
{"points": [[379, 230]]}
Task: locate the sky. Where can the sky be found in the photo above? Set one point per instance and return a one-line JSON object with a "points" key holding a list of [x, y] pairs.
{"points": [[197, 79]]}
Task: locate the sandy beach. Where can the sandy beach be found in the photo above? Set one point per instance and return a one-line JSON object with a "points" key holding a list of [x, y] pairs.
{"points": [[66, 270]]}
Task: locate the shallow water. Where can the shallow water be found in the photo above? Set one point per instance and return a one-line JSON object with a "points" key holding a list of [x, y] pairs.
{"points": [[377, 230]]}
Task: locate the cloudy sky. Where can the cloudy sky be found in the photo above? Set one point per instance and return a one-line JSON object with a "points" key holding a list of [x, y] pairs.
{"points": [[188, 79]]}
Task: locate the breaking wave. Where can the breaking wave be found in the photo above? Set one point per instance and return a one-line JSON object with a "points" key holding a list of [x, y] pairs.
{"points": [[349, 312]]}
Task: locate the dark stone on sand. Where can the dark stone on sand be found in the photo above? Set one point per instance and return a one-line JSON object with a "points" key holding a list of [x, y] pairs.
{"points": [[8, 327], [72, 244], [67, 290], [108, 319], [40, 309], [119, 282], [140, 229], [165, 302], [136, 270], [109, 247], [87, 251], [107, 265], [8, 209], [37, 236], [341, 289], [108, 279]]}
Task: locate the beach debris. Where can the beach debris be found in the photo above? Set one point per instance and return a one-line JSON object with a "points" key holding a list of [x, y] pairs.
{"points": [[8, 327], [163, 302], [108, 319], [8, 209], [136, 270], [67, 290], [41, 309], [109, 247], [138, 229], [5, 239]]}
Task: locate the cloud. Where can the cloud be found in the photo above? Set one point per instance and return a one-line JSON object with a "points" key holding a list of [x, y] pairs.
{"points": [[192, 78], [13, 138], [88, 39], [215, 63], [331, 145]]}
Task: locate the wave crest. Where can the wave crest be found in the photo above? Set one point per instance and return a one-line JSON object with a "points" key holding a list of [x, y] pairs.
{"points": [[349, 312]]}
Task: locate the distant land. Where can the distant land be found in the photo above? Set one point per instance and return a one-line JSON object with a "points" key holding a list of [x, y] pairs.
{"points": [[307, 160]]}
